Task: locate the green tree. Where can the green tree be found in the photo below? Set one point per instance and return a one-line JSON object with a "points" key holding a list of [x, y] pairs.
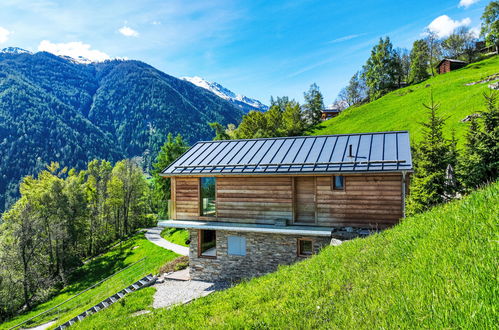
{"points": [[434, 45], [460, 44], [220, 131], [479, 163], [171, 150], [490, 24], [314, 104], [293, 123], [355, 92], [432, 157], [381, 69], [419, 62]]}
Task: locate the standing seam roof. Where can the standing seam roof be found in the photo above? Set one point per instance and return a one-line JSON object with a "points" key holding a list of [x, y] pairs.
{"points": [[363, 152]]}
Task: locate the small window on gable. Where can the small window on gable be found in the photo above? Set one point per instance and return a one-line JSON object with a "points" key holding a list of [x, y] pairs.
{"points": [[236, 245], [305, 247], [338, 182]]}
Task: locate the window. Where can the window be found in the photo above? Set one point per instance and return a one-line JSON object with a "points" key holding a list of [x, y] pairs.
{"points": [[236, 245], [207, 243], [338, 182], [208, 207], [305, 247]]}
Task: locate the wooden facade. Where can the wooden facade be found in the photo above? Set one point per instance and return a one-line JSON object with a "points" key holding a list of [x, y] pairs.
{"points": [[448, 65], [371, 200]]}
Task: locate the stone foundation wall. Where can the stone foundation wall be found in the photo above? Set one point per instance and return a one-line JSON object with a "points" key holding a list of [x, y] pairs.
{"points": [[264, 253]]}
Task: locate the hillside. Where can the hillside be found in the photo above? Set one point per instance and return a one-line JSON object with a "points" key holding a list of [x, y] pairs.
{"points": [[57, 109], [403, 110], [434, 270], [128, 253]]}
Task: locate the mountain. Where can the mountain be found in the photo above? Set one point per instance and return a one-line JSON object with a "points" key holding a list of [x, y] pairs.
{"points": [[244, 103], [57, 109], [459, 93]]}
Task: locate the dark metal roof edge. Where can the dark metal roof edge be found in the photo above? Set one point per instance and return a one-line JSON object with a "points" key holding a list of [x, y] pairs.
{"points": [[211, 174]]}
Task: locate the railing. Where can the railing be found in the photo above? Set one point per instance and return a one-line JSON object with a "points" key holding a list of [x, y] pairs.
{"points": [[90, 301]]}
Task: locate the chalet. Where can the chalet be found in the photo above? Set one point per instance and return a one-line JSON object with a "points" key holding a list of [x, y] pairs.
{"points": [[329, 113], [251, 205], [448, 65]]}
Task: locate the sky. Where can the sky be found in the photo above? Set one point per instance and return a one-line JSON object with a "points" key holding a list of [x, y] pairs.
{"points": [[256, 48]]}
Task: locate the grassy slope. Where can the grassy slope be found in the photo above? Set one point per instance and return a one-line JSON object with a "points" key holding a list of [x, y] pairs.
{"points": [[434, 270], [97, 269], [403, 110], [175, 235]]}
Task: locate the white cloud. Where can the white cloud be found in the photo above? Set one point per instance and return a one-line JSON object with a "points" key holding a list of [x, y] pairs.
{"points": [[4, 34], [345, 38], [443, 25], [467, 3], [475, 31], [73, 49], [128, 32]]}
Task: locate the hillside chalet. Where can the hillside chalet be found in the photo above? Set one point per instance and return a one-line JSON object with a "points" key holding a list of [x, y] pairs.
{"points": [[329, 113], [448, 65], [251, 205]]}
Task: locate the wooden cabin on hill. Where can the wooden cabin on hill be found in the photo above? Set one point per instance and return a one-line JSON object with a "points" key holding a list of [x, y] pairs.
{"points": [[448, 65], [251, 205]]}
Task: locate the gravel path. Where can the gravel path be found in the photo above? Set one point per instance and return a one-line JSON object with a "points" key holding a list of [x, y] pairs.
{"points": [[154, 236], [173, 292]]}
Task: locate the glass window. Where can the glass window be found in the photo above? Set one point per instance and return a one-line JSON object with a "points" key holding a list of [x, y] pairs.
{"points": [[305, 247], [338, 182], [236, 245], [207, 243], [208, 207]]}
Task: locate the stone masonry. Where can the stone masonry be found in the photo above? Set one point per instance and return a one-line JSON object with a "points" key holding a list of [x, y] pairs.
{"points": [[264, 253]]}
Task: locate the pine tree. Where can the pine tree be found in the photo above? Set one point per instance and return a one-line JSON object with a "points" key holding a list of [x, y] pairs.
{"points": [[314, 104], [419, 62], [480, 161], [432, 157], [381, 69]]}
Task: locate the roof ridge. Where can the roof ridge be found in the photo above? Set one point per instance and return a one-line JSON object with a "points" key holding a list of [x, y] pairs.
{"points": [[303, 136]]}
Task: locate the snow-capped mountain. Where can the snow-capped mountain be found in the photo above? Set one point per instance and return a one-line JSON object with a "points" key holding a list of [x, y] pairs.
{"points": [[244, 103], [14, 50]]}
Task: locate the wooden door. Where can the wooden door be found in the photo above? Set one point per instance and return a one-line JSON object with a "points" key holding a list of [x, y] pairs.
{"points": [[305, 199]]}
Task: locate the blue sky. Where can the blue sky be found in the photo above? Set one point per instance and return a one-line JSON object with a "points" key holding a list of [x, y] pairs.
{"points": [[256, 48]]}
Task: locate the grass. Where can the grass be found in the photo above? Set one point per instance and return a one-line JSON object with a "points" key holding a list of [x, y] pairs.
{"points": [[403, 110], [176, 235], [119, 257], [434, 270]]}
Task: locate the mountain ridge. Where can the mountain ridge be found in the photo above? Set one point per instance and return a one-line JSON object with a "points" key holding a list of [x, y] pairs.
{"points": [[244, 103], [55, 109]]}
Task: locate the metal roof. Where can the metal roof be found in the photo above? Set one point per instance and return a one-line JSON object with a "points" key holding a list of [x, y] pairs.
{"points": [[345, 153]]}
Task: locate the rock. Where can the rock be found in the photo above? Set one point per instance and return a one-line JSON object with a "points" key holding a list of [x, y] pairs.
{"points": [[335, 242], [349, 229], [364, 232], [344, 235], [494, 86], [468, 118]]}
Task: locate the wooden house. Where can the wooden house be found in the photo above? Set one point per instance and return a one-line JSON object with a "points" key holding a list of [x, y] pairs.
{"points": [[250, 205], [448, 65], [329, 113]]}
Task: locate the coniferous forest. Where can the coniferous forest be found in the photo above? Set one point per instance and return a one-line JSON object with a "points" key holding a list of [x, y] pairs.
{"points": [[55, 109]]}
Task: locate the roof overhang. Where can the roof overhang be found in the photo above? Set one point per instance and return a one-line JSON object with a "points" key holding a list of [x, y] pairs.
{"points": [[245, 227], [171, 175]]}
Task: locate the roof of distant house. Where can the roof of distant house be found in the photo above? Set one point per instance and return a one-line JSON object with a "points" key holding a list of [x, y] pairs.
{"points": [[451, 60], [345, 153]]}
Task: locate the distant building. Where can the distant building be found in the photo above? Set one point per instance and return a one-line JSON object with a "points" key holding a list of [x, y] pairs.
{"points": [[329, 113], [448, 65]]}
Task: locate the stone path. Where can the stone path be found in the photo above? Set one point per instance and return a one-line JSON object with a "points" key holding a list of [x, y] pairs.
{"points": [[154, 236], [42, 326], [178, 291]]}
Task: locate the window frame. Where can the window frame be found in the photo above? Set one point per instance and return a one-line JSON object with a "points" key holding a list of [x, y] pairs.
{"points": [[333, 183], [243, 239], [200, 241], [299, 251], [200, 198]]}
